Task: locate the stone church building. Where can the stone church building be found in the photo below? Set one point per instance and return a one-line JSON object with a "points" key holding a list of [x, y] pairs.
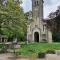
{"points": [[37, 30]]}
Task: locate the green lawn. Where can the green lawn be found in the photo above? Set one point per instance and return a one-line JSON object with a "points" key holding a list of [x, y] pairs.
{"points": [[33, 48]]}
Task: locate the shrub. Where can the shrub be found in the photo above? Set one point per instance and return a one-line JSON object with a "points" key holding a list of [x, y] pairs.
{"points": [[50, 52], [2, 51]]}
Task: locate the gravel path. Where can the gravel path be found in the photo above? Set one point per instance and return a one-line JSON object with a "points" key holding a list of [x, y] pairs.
{"points": [[5, 56], [10, 56], [52, 57]]}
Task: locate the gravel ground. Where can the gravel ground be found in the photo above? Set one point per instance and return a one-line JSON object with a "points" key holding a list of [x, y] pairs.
{"points": [[52, 57], [11, 57], [5, 56]]}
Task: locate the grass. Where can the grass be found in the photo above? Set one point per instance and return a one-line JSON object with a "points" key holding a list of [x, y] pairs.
{"points": [[32, 49]]}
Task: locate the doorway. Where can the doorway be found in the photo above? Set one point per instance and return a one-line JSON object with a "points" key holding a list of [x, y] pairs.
{"points": [[36, 37]]}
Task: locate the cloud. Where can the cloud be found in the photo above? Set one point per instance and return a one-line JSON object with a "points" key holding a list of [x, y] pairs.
{"points": [[49, 6], [26, 5]]}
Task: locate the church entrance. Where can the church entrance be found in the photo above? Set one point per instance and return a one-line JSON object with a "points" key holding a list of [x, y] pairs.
{"points": [[36, 37]]}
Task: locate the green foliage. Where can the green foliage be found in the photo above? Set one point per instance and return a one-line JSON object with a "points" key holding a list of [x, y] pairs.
{"points": [[54, 24], [56, 36], [1, 45], [12, 19]]}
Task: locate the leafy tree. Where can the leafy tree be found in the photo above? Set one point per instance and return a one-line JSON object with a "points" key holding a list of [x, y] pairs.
{"points": [[54, 24], [13, 20]]}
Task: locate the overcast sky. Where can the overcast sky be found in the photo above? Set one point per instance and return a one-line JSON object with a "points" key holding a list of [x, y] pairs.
{"points": [[49, 6]]}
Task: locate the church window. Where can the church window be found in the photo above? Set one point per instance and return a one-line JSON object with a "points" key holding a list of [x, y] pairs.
{"points": [[44, 37], [43, 27], [35, 25], [36, 3]]}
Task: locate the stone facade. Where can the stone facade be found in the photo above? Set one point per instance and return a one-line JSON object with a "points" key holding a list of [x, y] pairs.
{"points": [[37, 30]]}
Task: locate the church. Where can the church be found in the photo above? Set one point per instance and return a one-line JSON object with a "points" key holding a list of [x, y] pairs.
{"points": [[37, 30]]}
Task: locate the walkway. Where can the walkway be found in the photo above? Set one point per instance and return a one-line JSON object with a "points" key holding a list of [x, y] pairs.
{"points": [[10, 57], [5, 56]]}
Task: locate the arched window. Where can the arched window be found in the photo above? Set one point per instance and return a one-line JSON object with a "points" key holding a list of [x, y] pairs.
{"points": [[36, 3], [44, 28]]}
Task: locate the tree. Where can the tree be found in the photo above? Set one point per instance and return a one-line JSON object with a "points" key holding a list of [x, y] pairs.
{"points": [[13, 20], [54, 24]]}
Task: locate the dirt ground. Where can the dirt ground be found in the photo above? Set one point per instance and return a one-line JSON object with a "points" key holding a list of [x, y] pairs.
{"points": [[9, 56], [5, 56]]}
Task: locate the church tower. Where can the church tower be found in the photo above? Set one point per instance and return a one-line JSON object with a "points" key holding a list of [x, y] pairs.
{"points": [[37, 9], [36, 30]]}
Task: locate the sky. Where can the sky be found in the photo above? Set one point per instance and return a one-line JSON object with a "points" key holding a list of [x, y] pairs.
{"points": [[49, 6]]}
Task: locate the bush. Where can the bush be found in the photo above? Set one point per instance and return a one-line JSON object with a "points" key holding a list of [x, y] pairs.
{"points": [[50, 52], [2, 51], [56, 36], [41, 55]]}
